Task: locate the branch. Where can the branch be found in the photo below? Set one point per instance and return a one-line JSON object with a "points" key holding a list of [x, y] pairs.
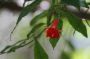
{"points": [[10, 5], [83, 13]]}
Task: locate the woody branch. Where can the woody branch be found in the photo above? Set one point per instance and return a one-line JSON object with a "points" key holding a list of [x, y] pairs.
{"points": [[82, 13]]}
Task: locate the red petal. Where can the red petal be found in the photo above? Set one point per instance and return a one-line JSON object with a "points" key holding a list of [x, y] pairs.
{"points": [[55, 23], [52, 32]]}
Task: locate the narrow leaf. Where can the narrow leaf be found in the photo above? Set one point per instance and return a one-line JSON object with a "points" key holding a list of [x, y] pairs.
{"points": [[38, 17], [88, 3], [53, 42], [76, 23], [26, 11], [88, 22], [60, 25], [36, 27], [39, 52]]}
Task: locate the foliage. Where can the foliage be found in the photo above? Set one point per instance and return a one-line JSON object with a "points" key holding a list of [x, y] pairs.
{"points": [[57, 10]]}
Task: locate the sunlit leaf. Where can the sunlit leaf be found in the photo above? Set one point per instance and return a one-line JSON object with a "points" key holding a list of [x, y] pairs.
{"points": [[49, 16], [88, 22]]}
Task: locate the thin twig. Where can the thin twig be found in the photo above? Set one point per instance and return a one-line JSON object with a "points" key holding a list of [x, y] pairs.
{"points": [[16, 24]]}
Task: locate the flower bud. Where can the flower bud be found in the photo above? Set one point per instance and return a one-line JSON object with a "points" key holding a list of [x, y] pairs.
{"points": [[53, 31]]}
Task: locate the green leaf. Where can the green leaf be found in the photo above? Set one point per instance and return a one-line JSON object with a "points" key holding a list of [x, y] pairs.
{"points": [[60, 25], [39, 52], [88, 22], [53, 42], [88, 3], [38, 17], [76, 23], [64, 55], [71, 2], [76, 3], [36, 27], [26, 11], [53, 1], [49, 16]]}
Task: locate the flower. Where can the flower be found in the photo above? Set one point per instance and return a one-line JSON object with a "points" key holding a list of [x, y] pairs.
{"points": [[53, 31]]}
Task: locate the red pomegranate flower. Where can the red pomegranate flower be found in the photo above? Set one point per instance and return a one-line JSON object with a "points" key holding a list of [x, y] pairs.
{"points": [[53, 31]]}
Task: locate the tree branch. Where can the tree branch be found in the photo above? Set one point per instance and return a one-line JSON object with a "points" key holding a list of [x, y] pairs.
{"points": [[10, 5], [83, 13]]}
